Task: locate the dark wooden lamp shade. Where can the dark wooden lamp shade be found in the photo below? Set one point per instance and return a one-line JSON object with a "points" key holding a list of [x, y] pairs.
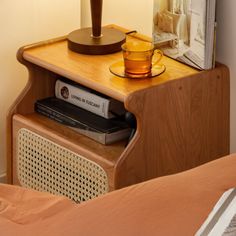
{"points": [[96, 40]]}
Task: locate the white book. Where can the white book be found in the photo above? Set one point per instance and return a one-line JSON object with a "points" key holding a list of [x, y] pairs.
{"points": [[186, 28], [88, 99]]}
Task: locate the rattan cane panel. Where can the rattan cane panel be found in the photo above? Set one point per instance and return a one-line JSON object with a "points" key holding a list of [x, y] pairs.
{"points": [[46, 166]]}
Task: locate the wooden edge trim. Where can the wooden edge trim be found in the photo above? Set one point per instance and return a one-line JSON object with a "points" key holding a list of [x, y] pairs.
{"points": [[38, 44], [10, 113]]}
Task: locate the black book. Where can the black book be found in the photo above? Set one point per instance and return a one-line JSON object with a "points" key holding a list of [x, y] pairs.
{"points": [[98, 128]]}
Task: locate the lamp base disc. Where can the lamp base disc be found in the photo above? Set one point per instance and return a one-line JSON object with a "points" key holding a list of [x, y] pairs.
{"points": [[83, 42]]}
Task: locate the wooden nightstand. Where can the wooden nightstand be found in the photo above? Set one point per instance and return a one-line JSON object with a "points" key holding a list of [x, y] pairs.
{"points": [[182, 119]]}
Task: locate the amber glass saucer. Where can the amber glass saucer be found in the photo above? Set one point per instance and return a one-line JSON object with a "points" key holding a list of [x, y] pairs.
{"points": [[119, 70]]}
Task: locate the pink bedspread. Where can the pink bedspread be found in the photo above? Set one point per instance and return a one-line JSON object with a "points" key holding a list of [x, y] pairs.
{"points": [[171, 205]]}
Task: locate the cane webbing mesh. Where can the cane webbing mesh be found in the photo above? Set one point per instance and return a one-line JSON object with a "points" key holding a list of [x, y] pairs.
{"points": [[46, 166]]}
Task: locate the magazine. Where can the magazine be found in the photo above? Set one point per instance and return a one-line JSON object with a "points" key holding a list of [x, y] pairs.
{"points": [[222, 220], [185, 30], [105, 131]]}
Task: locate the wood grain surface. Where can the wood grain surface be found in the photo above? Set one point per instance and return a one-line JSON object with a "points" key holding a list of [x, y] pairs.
{"points": [[93, 71], [182, 115], [181, 124]]}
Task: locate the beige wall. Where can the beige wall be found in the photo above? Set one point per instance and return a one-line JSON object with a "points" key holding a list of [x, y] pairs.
{"points": [[138, 14], [24, 22]]}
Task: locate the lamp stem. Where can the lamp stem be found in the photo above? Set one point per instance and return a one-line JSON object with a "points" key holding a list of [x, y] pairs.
{"points": [[96, 40], [96, 14]]}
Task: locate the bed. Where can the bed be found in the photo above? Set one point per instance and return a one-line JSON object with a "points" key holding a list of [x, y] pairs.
{"points": [[171, 205]]}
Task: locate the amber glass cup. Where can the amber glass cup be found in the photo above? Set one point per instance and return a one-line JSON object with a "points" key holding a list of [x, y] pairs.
{"points": [[139, 57]]}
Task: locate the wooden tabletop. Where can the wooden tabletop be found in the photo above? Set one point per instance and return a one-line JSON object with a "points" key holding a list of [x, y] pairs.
{"points": [[93, 70]]}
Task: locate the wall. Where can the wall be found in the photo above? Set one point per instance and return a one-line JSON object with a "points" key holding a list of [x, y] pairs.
{"points": [[226, 53], [24, 22], [138, 15]]}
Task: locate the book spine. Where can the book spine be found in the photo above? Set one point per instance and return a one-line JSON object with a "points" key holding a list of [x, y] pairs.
{"points": [[61, 118], [82, 98], [80, 128]]}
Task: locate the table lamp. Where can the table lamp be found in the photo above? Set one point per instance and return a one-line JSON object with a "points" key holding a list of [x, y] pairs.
{"points": [[96, 40]]}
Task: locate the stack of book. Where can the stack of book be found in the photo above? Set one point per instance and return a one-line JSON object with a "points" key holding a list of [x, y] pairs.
{"points": [[89, 113]]}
